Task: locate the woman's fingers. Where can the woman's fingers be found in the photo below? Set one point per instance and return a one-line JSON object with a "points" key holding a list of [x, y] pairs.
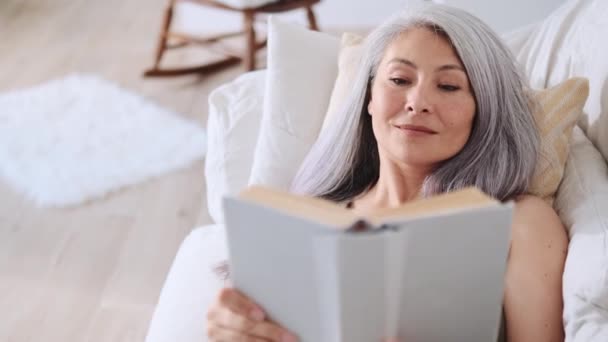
{"points": [[240, 304], [235, 312], [225, 318], [220, 334]]}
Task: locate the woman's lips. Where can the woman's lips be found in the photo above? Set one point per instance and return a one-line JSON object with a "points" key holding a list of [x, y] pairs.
{"points": [[416, 129]]}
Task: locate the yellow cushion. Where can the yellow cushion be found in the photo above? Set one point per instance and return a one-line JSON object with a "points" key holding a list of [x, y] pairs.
{"points": [[559, 109]]}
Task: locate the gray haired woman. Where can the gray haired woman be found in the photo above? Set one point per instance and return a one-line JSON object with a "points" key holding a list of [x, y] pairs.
{"points": [[438, 104]]}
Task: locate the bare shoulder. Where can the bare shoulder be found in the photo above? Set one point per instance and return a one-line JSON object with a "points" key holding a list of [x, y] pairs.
{"points": [[530, 207], [535, 219]]}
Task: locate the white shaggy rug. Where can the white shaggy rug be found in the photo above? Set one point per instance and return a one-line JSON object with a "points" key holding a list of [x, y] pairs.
{"points": [[77, 138]]}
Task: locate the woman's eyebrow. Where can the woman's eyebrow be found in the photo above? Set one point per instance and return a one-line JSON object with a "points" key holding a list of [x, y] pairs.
{"points": [[450, 67], [403, 61], [413, 65]]}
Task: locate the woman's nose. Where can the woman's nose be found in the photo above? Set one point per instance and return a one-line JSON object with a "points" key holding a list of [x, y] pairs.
{"points": [[417, 100]]}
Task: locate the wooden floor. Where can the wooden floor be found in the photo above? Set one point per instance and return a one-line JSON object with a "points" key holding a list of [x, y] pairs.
{"points": [[94, 272]]}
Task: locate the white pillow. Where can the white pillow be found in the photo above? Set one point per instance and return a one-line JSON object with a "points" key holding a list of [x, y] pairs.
{"points": [[235, 113], [190, 288], [572, 41], [302, 68], [582, 204]]}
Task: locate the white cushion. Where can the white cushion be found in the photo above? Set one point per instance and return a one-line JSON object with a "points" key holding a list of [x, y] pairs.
{"points": [[235, 112], [572, 42], [582, 203], [190, 288], [302, 68]]}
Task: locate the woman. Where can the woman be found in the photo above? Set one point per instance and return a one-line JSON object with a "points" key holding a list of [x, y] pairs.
{"points": [[438, 104]]}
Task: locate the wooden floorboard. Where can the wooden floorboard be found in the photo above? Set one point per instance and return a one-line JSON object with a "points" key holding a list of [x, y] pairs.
{"points": [[93, 272]]}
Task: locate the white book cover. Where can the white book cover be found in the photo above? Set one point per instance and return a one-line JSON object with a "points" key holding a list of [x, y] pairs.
{"points": [[432, 277]]}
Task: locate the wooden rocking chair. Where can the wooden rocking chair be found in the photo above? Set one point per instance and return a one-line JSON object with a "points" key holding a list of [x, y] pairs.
{"points": [[230, 57]]}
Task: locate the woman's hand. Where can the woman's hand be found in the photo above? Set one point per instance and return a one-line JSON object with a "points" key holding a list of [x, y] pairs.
{"points": [[234, 317]]}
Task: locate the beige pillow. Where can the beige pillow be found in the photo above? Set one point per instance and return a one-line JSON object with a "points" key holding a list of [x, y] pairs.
{"points": [[348, 61], [560, 108]]}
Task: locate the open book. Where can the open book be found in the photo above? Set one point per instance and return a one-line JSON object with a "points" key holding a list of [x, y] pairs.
{"points": [[431, 270]]}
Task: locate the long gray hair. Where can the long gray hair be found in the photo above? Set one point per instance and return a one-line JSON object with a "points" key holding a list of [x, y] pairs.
{"points": [[501, 153]]}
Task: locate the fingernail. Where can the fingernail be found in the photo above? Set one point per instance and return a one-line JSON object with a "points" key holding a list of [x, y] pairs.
{"points": [[287, 337], [257, 315]]}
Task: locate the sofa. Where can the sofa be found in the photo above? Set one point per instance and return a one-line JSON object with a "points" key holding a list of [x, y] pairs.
{"points": [[262, 124]]}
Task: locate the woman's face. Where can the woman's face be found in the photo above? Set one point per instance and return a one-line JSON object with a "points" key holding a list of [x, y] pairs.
{"points": [[421, 103]]}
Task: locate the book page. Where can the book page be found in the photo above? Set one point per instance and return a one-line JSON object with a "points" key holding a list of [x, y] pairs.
{"points": [[323, 211], [446, 203], [333, 214]]}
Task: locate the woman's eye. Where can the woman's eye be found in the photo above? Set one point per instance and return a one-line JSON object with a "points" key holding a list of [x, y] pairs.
{"points": [[399, 81], [448, 87]]}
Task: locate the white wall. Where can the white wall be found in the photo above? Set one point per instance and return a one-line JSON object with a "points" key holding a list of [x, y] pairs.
{"points": [[502, 15], [505, 15], [330, 14], [344, 14]]}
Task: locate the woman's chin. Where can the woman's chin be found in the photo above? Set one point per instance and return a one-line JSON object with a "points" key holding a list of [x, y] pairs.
{"points": [[417, 160]]}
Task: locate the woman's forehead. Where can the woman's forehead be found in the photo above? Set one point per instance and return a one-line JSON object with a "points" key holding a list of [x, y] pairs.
{"points": [[422, 45]]}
